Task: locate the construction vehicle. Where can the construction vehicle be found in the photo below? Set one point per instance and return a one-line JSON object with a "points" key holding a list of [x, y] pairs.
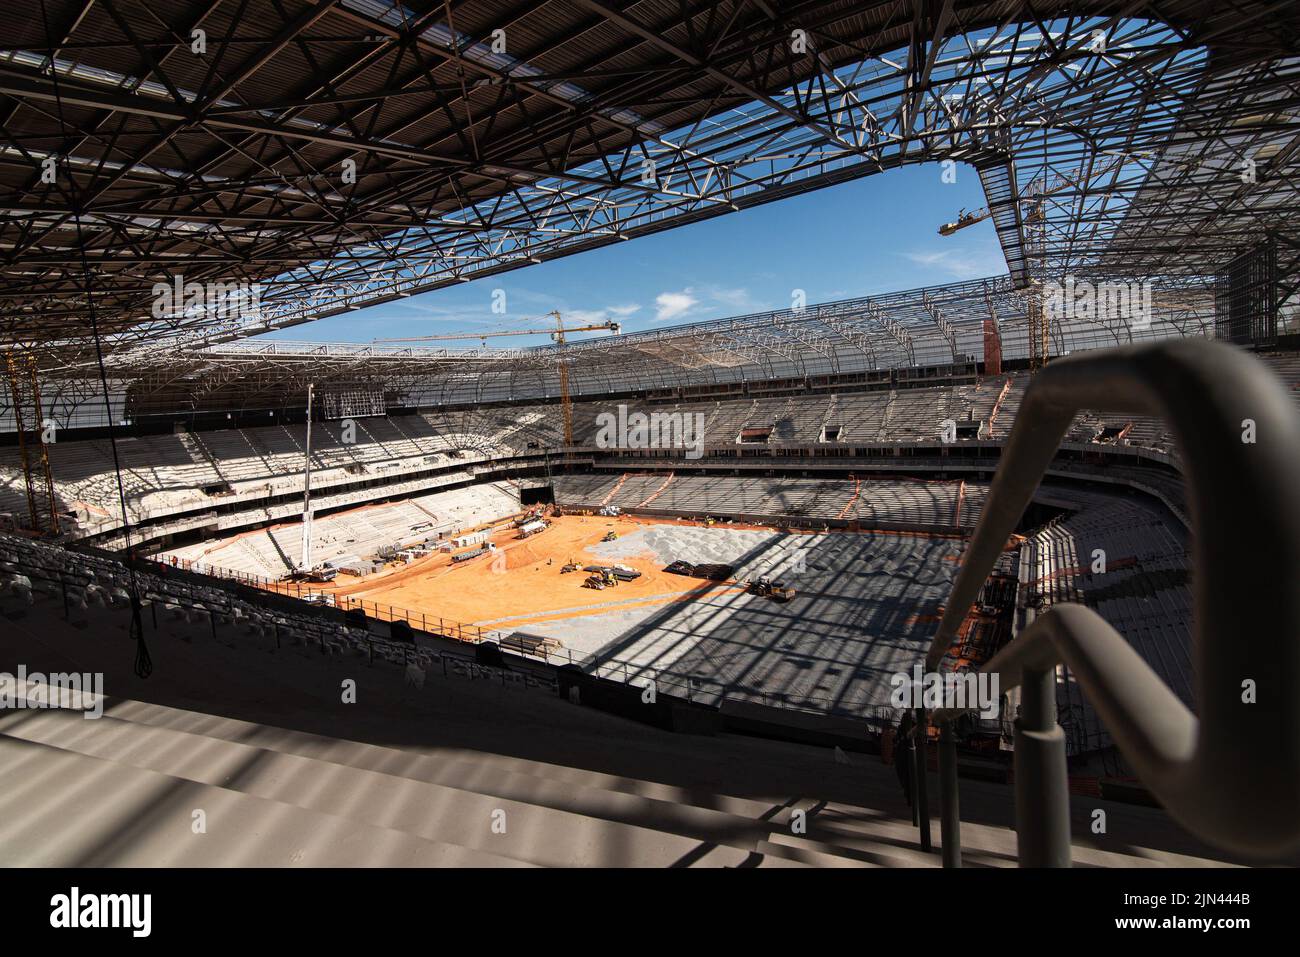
{"points": [[568, 567], [767, 588], [605, 576], [602, 578], [529, 529], [610, 537], [466, 556]]}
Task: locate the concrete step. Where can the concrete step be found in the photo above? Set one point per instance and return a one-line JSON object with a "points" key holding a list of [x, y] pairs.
{"points": [[984, 845], [775, 851], [407, 763], [63, 809], [535, 832], [696, 814], [861, 829], [880, 855], [466, 737]]}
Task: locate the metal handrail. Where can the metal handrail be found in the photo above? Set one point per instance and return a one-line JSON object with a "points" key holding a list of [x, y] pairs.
{"points": [[1231, 776]]}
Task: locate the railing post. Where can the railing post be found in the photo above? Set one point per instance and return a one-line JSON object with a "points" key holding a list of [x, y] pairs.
{"points": [[920, 796], [949, 810], [1042, 787]]}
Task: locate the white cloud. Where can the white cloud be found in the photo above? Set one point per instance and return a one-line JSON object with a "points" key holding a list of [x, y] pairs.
{"points": [[736, 298], [673, 304], [583, 317], [592, 317], [960, 263]]}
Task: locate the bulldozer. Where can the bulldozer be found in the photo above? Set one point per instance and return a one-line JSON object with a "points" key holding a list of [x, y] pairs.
{"points": [[777, 591], [605, 578]]}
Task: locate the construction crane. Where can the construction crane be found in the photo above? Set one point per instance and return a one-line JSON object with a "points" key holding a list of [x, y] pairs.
{"points": [[1035, 243], [557, 334], [963, 220], [1034, 195], [25, 388]]}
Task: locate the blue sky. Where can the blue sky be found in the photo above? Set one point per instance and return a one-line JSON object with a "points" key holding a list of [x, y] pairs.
{"points": [[877, 234]]}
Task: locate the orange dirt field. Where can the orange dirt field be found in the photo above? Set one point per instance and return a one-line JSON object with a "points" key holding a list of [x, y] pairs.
{"points": [[524, 579]]}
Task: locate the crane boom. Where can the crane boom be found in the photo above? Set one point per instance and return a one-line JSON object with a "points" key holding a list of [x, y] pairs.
{"points": [[612, 326], [558, 334], [963, 220]]}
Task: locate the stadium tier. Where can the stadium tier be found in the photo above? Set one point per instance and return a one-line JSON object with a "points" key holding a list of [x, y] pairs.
{"points": [[591, 570], [874, 503], [190, 472], [420, 481], [354, 535], [603, 791]]}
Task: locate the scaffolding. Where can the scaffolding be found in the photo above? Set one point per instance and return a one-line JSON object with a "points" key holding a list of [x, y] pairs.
{"points": [[25, 392], [1174, 125]]}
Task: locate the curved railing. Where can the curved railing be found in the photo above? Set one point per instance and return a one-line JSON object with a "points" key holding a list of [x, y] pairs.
{"points": [[1231, 773]]}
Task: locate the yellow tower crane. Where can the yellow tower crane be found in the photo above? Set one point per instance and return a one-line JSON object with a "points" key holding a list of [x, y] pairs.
{"points": [[1035, 221], [557, 334], [25, 388]]}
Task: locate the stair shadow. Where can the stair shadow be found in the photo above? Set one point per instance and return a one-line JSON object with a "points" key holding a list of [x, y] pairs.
{"points": [[299, 691]]}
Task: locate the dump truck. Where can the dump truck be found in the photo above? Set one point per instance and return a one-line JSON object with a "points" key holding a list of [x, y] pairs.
{"points": [[777, 591], [531, 528]]}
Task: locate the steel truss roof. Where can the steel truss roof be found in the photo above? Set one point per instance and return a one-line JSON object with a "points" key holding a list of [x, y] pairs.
{"points": [[1130, 121], [933, 326]]}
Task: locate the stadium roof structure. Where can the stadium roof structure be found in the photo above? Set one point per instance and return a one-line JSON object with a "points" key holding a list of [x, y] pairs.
{"points": [[932, 326], [215, 142]]}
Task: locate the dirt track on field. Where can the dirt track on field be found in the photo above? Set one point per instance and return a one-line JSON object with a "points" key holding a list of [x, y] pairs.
{"points": [[523, 583]]}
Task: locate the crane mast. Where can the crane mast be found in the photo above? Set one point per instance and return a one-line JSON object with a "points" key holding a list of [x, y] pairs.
{"points": [[558, 334]]}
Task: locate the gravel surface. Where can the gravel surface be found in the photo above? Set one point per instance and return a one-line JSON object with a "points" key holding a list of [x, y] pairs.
{"points": [[752, 552], [866, 608]]}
